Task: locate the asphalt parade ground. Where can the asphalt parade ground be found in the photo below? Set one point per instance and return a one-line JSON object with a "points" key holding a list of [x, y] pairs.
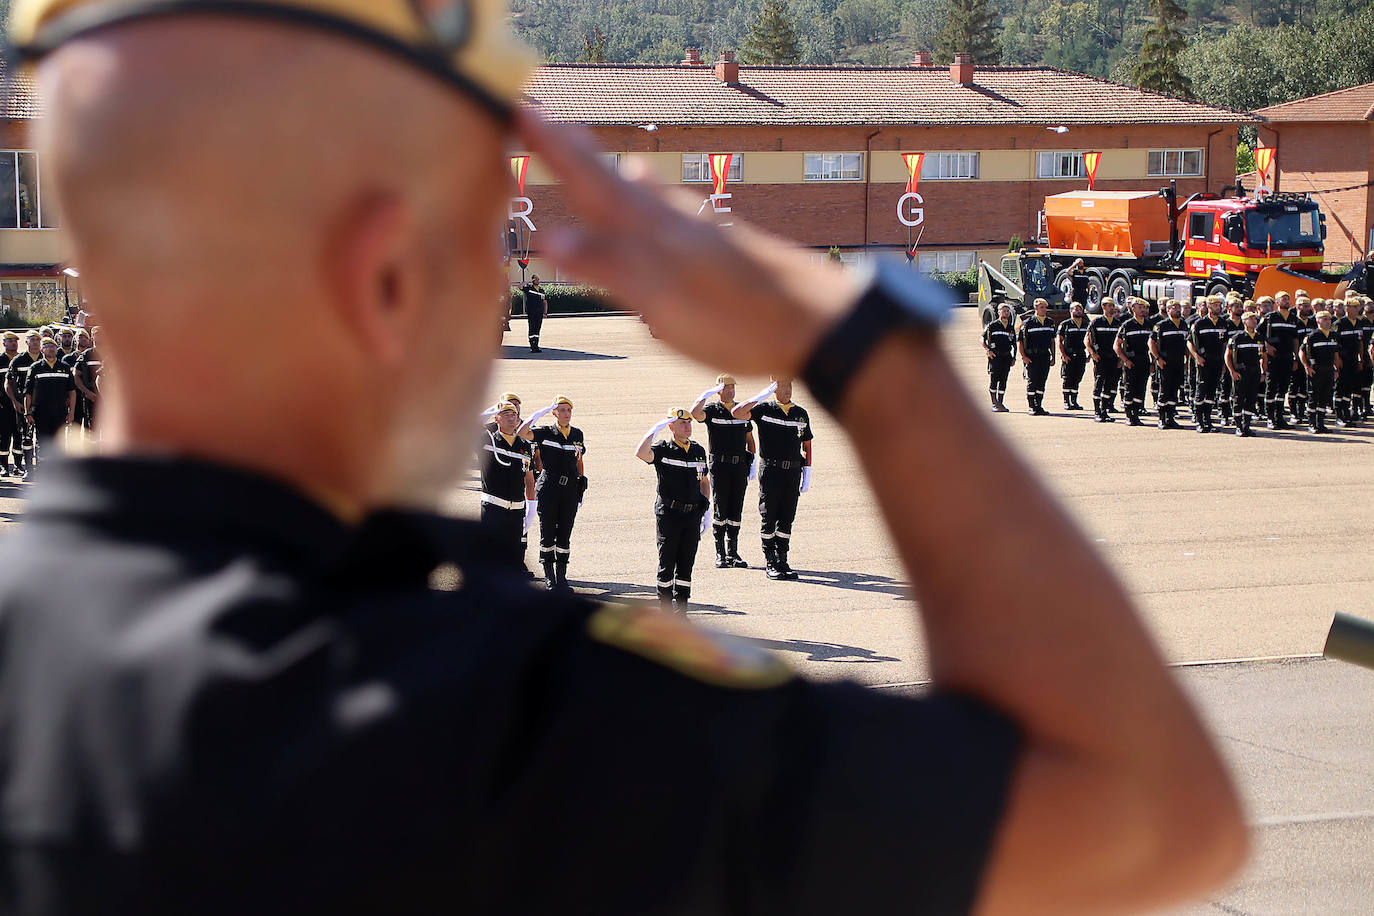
{"points": [[1238, 552]]}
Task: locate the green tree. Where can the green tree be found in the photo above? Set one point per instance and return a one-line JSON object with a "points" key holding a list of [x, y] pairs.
{"points": [[971, 26], [772, 39], [1158, 66], [594, 50], [1245, 159]]}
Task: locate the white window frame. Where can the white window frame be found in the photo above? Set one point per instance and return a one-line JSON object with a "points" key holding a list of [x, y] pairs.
{"points": [[946, 261], [950, 167], [38, 191], [833, 166], [696, 168], [1173, 163], [1056, 166]]}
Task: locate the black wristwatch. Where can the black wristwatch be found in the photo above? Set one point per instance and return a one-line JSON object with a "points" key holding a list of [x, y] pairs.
{"points": [[897, 298]]}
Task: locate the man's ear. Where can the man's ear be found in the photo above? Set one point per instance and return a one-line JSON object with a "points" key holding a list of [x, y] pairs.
{"points": [[375, 269]]}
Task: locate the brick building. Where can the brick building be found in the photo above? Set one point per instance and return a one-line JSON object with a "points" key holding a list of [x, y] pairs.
{"points": [[1322, 144], [818, 150]]}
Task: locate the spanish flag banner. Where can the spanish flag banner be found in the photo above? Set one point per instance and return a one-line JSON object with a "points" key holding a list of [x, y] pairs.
{"points": [[1090, 163], [519, 165], [913, 168], [1264, 160], [720, 170]]}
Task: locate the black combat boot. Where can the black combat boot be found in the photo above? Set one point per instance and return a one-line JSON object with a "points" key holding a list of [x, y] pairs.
{"points": [[770, 554], [1001, 402], [561, 567], [1299, 408], [680, 595], [1343, 415], [1163, 421], [1040, 410], [722, 557], [1068, 401], [1076, 405], [550, 576], [665, 597], [992, 395], [732, 548], [1133, 414], [1031, 408], [788, 572]]}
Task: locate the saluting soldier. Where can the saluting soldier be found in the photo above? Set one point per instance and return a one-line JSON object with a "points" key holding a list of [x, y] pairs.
{"points": [[1169, 347], [999, 343], [1207, 345], [684, 494], [536, 307], [1101, 343], [560, 485], [1351, 338], [1132, 346], [785, 453], [1035, 342], [1278, 328], [1073, 356], [508, 505], [1304, 323], [49, 400], [1246, 360], [730, 443], [1321, 360]]}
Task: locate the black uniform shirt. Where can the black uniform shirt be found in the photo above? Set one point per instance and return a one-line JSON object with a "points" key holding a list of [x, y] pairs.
{"points": [[1134, 336], [88, 367], [1245, 352], [1279, 331], [726, 435], [1000, 339], [5, 359], [1071, 334], [1321, 348], [1303, 327], [1171, 340], [49, 385], [504, 465], [220, 700], [558, 453], [536, 302], [1210, 337], [1366, 332], [18, 374], [1037, 335], [1349, 335], [781, 433], [1233, 327], [680, 471], [1102, 335]]}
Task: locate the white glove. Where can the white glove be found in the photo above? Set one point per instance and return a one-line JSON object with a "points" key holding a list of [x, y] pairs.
{"points": [[806, 479], [705, 520], [531, 510], [763, 394], [710, 391], [489, 413], [660, 426], [754, 468], [540, 414]]}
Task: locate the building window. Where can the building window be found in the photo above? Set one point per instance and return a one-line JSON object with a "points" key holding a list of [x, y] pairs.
{"points": [[834, 166], [30, 299], [697, 167], [1058, 165], [21, 198], [1175, 163], [949, 165], [946, 262]]}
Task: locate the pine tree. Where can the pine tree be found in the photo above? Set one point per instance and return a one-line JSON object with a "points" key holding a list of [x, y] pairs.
{"points": [[594, 47], [1158, 66], [971, 27], [772, 40]]}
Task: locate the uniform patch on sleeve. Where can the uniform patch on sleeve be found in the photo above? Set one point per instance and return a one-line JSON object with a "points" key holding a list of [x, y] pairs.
{"points": [[669, 640]]}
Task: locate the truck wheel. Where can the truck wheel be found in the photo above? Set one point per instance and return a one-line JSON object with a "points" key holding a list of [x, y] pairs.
{"points": [[1218, 288], [1096, 287], [1120, 290]]}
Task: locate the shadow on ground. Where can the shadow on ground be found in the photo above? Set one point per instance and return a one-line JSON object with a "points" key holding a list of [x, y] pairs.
{"points": [[638, 593], [857, 582], [509, 351], [821, 651]]}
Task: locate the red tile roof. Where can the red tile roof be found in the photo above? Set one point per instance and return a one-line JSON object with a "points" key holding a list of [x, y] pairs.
{"points": [[1353, 104], [840, 96], [18, 95]]}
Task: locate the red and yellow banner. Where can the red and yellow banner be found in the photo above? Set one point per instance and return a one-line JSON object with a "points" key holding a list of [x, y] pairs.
{"points": [[1264, 160], [1090, 163], [519, 165], [913, 168], [720, 170]]}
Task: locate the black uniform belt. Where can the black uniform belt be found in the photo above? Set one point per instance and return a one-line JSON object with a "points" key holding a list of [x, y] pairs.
{"points": [[732, 459], [785, 465], [560, 481], [680, 505]]}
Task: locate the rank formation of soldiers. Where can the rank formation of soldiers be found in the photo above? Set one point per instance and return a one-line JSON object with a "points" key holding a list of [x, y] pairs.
{"points": [[531, 471], [1229, 360]]}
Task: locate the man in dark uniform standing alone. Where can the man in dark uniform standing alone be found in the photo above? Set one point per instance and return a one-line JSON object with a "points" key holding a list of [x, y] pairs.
{"points": [[1350, 336], [785, 436], [999, 345], [536, 307], [1133, 349], [561, 483], [730, 442], [1279, 331], [1321, 360], [684, 495], [508, 505], [1246, 360], [49, 401], [1207, 344], [1073, 355], [1169, 347], [1035, 344], [1101, 342]]}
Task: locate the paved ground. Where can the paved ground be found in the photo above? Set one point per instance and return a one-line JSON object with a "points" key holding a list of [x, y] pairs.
{"points": [[1235, 549]]}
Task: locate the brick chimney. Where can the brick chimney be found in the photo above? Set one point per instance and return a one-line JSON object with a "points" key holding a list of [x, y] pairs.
{"points": [[961, 70], [727, 70], [923, 59], [693, 58]]}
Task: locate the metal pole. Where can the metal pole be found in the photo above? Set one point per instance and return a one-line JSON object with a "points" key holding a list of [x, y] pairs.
{"points": [[1351, 640]]}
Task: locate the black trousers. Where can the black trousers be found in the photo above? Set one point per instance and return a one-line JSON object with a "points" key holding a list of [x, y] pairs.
{"points": [[679, 531], [1134, 380], [728, 483], [1228, 388], [1347, 382], [1280, 376], [1246, 395], [998, 370], [507, 529], [1106, 376], [1320, 388], [1036, 373], [47, 431], [1171, 381], [557, 513], [779, 492], [1208, 381], [536, 320], [11, 433], [1071, 373], [1298, 385]]}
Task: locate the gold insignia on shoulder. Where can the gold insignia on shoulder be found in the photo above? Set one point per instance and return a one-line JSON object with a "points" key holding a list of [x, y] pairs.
{"points": [[669, 640]]}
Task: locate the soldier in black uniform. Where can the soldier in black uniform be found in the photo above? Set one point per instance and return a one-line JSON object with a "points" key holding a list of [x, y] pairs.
{"points": [[1153, 318], [1246, 360], [1101, 342], [11, 440], [536, 307], [1351, 338], [999, 345], [16, 379], [86, 372], [1169, 348], [559, 487], [82, 343], [784, 436], [1321, 360], [508, 506], [731, 444], [49, 401], [1235, 307], [1366, 382], [1073, 356], [1208, 348], [1304, 323], [1132, 347], [1278, 328], [1193, 311], [1035, 343], [684, 495]]}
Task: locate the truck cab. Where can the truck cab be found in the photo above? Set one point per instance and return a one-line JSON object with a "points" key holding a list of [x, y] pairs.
{"points": [[1023, 277], [1228, 241]]}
